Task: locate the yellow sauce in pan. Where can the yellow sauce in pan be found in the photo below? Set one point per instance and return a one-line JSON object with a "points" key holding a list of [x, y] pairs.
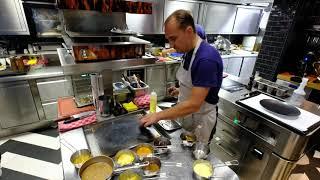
{"points": [[82, 158], [144, 151], [97, 171]]}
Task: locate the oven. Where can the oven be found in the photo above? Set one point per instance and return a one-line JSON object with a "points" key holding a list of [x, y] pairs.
{"points": [[276, 142], [43, 18]]}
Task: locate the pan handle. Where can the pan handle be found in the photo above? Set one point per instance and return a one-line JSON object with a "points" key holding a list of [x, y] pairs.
{"points": [[68, 145], [135, 166], [227, 163]]}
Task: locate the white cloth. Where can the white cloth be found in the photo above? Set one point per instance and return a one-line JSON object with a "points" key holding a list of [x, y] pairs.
{"points": [[202, 122]]}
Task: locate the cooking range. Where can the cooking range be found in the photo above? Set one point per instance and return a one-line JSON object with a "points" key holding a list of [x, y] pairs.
{"points": [[275, 142]]}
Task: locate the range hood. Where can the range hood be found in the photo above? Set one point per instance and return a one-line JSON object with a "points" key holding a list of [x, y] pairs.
{"points": [[91, 37]]}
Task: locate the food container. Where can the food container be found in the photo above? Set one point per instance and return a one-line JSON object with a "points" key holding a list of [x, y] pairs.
{"points": [[144, 150], [188, 139], [202, 169], [125, 157], [280, 91], [139, 91], [261, 86], [270, 89], [153, 168], [130, 175], [100, 167], [78, 157]]}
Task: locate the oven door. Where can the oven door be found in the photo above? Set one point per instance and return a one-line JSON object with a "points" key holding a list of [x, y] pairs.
{"points": [[43, 18], [259, 162]]}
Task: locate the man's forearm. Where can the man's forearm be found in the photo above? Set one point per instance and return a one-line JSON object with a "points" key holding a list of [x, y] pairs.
{"points": [[180, 110]]}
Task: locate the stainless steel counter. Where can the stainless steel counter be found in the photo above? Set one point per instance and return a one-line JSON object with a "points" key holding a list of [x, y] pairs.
{"points": [[45, 72], [178, 154]]}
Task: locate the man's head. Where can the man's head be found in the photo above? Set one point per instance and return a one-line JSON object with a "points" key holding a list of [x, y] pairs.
{"points": [[180, 30]]}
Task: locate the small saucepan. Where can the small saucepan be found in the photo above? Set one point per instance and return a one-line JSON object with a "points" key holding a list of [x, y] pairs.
{"points": [[103, 167], [147, 150], [78, 157], [203, 169]]}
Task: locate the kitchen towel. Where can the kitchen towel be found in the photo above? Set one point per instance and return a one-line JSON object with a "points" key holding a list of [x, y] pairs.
{"points": [[76, 124], [142, 101]]}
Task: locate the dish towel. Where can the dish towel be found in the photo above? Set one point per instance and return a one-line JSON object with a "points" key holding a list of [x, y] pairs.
{"points": [[73, 125], [142, 101]]}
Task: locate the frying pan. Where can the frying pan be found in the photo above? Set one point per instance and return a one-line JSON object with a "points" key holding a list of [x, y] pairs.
{"points": [[280, 107]]}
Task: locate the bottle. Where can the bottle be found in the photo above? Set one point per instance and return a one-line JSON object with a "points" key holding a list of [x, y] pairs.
{"points": [[298, 95], [153, 102]]}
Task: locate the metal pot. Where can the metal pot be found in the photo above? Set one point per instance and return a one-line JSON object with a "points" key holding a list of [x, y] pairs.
{"points": [[207, 164], [78, 157], [98, 159]]}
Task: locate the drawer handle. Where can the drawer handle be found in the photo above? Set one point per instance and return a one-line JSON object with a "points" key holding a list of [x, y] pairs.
{"points": [[225, 149]]}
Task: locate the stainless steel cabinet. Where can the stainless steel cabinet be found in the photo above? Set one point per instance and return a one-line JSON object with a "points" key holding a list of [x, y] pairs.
{"points": [[12, 18], [219, 18], [53, 88], [17, 106], [234, 66], [156, 79], [51, 110], [228, 1], [147, 23], [257, 1], [225, 62], [247, 66], [247, 20], [171, 71], [173, 5]]}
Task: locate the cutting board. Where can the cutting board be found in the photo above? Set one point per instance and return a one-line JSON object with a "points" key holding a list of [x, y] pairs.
{"points": [[68, 107]]}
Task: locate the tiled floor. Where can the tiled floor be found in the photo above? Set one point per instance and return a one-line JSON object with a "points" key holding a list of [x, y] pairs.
{"points": [[307, 168], [31, 155]]}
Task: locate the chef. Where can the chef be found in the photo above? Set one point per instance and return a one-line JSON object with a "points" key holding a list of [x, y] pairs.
{"points": [[199, 75]]}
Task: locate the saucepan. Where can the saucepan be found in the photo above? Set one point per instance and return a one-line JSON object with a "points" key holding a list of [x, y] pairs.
{"points": [[147, 150], [78, 157], [103, 167], [202, 169]]}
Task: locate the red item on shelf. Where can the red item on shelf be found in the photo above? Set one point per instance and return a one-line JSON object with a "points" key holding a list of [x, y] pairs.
{"points": [[67, 107], [142, 101], [76, 124]]}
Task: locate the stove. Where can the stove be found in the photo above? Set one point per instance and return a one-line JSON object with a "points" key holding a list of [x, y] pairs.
{"points": [[303, 123], [273, 142]]}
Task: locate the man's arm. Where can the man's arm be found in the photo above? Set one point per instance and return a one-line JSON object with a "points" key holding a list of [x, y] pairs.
{"points": [[189, 106]]}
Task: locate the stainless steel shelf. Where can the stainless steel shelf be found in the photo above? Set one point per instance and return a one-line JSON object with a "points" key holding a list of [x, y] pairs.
{"points": [[70, 67]]}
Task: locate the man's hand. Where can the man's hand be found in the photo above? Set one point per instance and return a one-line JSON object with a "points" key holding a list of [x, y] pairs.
{"points": [[173, 91], [149, 119]]}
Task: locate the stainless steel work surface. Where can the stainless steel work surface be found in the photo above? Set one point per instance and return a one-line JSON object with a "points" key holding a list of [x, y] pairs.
{"points": [[119, 133], [45, 72], [178, 154]]}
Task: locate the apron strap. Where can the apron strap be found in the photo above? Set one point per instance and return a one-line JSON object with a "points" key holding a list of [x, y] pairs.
{"points": [[215, 126]]}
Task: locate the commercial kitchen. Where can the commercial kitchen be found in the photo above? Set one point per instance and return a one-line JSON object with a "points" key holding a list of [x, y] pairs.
{"points": [[76, 76]]}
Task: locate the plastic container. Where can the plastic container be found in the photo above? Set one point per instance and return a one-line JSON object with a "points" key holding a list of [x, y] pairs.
{"points": [[299, 94], [153, 102]]}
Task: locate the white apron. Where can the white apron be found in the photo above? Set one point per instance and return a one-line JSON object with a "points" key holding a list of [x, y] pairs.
{"points": [[202, 122]]}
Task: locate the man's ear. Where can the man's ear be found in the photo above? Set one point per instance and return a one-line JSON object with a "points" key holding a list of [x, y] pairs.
{"points": [[189, 30]]}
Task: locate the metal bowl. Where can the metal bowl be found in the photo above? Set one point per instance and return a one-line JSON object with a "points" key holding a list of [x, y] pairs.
{"points": [[79, 157], [98, 159], [129, 175], [144, 150], [188, 139], [202, 169], [154, 166], [121, 154]]}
